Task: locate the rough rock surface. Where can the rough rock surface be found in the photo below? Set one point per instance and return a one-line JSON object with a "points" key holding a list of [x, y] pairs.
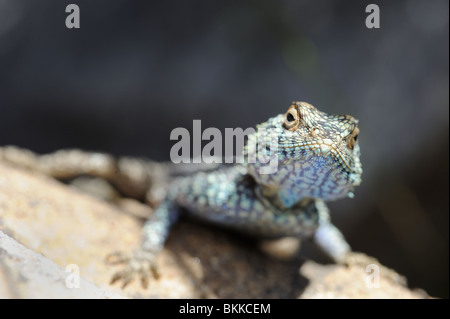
{"points": [[46, 226]]}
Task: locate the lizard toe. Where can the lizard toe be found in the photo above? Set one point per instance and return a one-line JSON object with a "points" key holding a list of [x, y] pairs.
{"points": [[140, 263]]}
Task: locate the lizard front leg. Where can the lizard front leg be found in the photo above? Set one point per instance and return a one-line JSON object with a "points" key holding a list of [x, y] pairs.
{"points": [[328, 238], [309, 218], [142, 261], [313, 221]]}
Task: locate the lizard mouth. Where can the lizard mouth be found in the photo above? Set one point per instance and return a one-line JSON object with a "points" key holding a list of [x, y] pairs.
{"points": [[323, 149]]}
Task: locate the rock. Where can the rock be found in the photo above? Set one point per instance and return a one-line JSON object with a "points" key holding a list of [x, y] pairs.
{"points": [[46, 226], [26, 274]]}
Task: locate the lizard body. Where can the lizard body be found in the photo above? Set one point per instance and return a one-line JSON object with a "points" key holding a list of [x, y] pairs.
{"points": [[316, 157]]}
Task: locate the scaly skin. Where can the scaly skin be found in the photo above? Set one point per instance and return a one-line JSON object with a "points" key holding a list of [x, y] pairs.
{"points": [[317, 160], [314, 158]]}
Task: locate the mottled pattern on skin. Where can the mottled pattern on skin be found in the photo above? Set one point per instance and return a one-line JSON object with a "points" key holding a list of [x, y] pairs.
{"points": [[228, 198], [316, 159]]}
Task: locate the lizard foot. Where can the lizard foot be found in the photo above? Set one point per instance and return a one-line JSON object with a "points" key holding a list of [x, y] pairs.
{"points": [[359, 259], [140, 263]]}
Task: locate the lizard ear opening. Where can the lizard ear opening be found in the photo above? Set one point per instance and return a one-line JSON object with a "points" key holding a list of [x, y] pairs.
{"points": [[291, 118]]}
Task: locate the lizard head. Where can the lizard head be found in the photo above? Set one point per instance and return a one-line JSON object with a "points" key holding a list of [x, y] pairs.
{"points": [[312, 154]]}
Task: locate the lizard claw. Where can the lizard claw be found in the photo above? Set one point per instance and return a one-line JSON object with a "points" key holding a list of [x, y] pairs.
{"points": [[140, 263]]}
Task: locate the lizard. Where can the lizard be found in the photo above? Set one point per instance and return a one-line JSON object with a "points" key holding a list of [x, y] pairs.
{"points": [[316, 157]]}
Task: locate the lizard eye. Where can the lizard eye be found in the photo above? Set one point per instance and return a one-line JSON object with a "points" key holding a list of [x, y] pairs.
{"points": [[291, 119], [352, 138]]}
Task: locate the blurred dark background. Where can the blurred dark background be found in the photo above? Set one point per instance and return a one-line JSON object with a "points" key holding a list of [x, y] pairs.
{"points": [[135, 70]]}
